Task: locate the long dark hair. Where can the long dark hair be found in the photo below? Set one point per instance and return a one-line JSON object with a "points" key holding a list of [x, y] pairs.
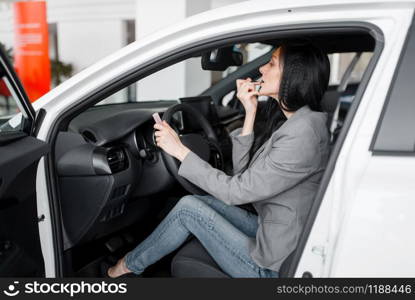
{"points": [[305, 77]]}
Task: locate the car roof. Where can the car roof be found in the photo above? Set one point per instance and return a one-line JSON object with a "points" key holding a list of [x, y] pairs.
{"points": [[291, 6]]}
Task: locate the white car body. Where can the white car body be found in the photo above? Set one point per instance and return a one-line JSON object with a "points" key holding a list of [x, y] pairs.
{"points": [[365, 221]]}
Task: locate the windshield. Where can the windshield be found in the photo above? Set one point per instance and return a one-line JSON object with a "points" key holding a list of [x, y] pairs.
{"points": [[183, 79]]}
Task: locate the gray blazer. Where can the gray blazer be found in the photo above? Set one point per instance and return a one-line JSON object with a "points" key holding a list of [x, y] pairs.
{"points": [[281, 181]]}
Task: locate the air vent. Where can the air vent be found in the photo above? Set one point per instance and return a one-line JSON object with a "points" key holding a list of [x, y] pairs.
{"points": [[117, 159], [89, 136]]}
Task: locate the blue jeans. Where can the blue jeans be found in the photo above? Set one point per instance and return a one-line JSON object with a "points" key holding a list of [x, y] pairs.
{"points": [[224, 231]]}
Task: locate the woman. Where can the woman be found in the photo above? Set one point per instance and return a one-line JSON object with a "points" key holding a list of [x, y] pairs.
{"points": [[277, 168]]}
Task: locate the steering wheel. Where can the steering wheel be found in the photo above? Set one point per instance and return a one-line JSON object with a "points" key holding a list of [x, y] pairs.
{"points": [[203, 147]]}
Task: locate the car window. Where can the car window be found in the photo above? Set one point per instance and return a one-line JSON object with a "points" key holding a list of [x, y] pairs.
{"points": [[339, 63], [9, 108], [164, 85]]}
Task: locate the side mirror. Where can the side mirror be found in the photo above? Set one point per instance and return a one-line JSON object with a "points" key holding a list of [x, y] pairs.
{"points": [[220, 59]]}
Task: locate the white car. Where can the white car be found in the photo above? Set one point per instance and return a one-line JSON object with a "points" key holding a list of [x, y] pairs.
{"points": [[81, 183]]}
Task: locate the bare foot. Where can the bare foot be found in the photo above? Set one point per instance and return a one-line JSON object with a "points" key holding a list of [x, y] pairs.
{"points": [[119, 269]]}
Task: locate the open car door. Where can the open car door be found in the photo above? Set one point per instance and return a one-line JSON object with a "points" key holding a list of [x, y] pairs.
{"points": [[20, 152]]}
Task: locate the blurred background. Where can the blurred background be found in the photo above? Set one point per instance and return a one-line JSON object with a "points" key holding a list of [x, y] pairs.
{"points": [[48, 41]]}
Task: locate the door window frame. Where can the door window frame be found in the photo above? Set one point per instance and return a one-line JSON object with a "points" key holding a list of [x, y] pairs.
{"points": [[15, 87]]}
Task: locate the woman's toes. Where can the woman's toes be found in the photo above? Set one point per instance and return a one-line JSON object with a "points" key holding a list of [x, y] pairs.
{"points": [[110, 272], [119, 269]]}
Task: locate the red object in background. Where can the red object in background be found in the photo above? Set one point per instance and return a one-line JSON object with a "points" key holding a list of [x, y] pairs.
{"points": [[31, 52], [4, 91]]}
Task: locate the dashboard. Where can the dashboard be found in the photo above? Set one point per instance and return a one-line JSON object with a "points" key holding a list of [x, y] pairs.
{"points": [[106, 160]]}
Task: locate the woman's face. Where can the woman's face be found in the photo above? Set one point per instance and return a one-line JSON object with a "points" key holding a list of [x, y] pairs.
{"points": [[271, 75]]}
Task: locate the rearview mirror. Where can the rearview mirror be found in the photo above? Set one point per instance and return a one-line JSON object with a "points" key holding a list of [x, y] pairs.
{"points": [[220, 59]]}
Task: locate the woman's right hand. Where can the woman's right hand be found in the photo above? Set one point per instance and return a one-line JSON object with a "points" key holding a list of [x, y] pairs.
{"points": [[247, 94]]}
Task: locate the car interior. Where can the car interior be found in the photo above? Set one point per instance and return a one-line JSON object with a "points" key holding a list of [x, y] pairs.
{"points": [[115, 186]]}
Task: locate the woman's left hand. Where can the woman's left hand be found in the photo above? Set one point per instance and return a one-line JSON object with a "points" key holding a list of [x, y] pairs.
{"points": [[168, 140]]}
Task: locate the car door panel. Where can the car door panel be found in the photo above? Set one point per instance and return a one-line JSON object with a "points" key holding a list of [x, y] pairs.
{"points": [[19, 236], [9, 137]]}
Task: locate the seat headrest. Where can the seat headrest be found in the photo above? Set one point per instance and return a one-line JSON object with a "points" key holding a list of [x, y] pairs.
{"points": [[330, 100]]}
